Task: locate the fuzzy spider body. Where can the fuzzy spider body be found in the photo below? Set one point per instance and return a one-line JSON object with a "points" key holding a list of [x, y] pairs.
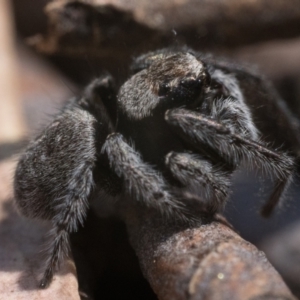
{"points": [[171, 137]]}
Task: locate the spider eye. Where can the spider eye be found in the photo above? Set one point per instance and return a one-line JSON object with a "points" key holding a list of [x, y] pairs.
{"points": [[191, 83], [163, 89]]}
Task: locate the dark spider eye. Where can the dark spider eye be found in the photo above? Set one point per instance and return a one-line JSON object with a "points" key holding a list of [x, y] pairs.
{"points": [[191, 83], [163, 89]]}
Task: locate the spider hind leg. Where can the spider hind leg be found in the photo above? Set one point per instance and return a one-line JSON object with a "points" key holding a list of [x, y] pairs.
{"points": [[70, 211], [198, 129], [278, 193]]}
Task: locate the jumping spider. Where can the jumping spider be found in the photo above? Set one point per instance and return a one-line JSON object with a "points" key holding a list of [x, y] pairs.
{"points": [[191, 123]]}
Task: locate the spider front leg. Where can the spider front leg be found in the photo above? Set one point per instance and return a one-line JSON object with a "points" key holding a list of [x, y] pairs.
{"points": [[200, 130], [225, 124], [200, 177], [140, 179]]}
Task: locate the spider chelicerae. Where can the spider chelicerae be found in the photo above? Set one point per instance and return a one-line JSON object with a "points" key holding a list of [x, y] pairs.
{"points": [[172, 135]]}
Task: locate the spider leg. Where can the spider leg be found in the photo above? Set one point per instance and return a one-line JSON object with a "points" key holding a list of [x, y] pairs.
{"points": [[198, 129], [271, 115], [225, 103], [200, 176], [143, 182], [70, 211], [279, 191]]}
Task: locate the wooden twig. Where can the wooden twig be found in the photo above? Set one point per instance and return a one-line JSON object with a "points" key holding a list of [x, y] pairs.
{"points": [[208, 261]]}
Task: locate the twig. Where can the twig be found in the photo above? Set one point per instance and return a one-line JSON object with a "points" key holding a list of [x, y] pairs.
{"points": [[209, 261]]}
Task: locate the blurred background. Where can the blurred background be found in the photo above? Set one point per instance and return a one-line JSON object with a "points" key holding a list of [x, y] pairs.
{"points": [[49, 50]]}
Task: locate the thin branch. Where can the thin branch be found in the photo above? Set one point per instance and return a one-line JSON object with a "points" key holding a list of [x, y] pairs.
{"points": [[208, 261]]}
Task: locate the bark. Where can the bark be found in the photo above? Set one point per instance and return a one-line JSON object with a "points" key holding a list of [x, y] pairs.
{"points": [[110, 27], [208, 261]]}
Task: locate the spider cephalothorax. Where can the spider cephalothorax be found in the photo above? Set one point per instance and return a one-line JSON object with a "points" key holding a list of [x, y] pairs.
{"points": [[172, 80], [173, 134]]}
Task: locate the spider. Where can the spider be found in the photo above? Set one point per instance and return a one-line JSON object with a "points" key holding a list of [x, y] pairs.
{"points": [[172, 135]]}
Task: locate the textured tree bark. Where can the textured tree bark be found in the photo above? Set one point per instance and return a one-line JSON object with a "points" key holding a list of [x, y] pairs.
{"points": [[110, 27], [209, 261]]}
